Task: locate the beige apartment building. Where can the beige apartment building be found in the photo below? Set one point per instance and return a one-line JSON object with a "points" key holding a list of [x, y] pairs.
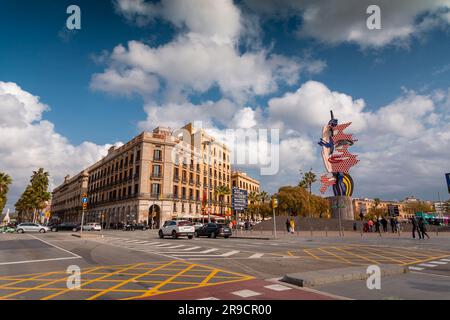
{"points": [[158, 176], [242, 181], [365, 205], [66, 199]]}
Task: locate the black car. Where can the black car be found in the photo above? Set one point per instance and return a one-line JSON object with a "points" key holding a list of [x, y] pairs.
{"points": [[213, 230], [65, 226], [135, 226]]}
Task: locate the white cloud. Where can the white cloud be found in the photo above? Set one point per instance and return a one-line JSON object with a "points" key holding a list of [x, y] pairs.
{"points": [[336, 22], [205, 54], [404, 146], [27, 142]]}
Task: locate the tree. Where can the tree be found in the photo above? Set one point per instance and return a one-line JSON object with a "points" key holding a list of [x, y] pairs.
{"points": [[308, 178], [253, 198], [5, 181], [264, 198], [419, 206], [376, 202], [35, 196], [222, 191], [297, 201]]}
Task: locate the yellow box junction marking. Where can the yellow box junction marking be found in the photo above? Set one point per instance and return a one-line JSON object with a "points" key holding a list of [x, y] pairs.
{"points": [[171, 276]]}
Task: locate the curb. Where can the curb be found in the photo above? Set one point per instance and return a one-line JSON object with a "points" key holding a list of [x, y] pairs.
{"points": [[323, 277]]}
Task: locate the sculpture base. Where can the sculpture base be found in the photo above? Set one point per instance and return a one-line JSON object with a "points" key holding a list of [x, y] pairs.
{"points": [[341, 206]]}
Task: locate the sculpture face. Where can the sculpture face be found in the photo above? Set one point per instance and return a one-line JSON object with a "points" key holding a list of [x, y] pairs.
{"points": [[336, 158]]}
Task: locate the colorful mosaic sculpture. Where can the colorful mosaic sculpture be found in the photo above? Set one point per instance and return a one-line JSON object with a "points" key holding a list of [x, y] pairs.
{"points": [[336, 158]]}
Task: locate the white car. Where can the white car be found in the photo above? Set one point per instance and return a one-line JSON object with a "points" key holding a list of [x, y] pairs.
{"points": [[92, 227], [177, 228], [32, 227]]}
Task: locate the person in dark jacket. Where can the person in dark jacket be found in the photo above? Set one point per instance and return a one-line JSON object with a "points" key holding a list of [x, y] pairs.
{"points": [[384, 223], [288, 225], [423, 229], [415, 228]]}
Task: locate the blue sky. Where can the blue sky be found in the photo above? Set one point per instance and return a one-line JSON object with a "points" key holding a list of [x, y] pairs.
{"points": [[41, 57]]}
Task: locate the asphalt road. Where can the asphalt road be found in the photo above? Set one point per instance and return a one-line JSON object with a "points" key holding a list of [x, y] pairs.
{"points": [[130, 265]]}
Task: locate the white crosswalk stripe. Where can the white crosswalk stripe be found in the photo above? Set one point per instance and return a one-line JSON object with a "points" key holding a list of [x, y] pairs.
{"points": [[416, 268], [438, 262], [427, 265], [181, 251], [448, 260]]}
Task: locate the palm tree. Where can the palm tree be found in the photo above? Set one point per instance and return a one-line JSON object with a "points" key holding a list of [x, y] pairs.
{"points": [[222, 191], [307, 181], [253, 197], [5, 181], [264, 197]]}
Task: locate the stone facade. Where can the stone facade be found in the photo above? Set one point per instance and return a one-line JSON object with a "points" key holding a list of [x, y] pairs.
{"points": [[158, 176]]}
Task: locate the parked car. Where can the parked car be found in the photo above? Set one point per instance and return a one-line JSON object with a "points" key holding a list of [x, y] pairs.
{"points": [[92, 227], [177, 228], [198, 225], [135, 226], [32, 227], [65, 226], [214, 230]]}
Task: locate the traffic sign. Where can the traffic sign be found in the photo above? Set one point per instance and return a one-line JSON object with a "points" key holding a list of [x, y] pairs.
{"points": [[239, 199], [84, 200]]}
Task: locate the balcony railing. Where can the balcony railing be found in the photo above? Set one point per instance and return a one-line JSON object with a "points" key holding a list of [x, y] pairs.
{"points": [[156, 175]]}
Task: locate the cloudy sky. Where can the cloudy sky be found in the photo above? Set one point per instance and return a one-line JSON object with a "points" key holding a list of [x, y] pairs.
{"points": [[66, 96]]}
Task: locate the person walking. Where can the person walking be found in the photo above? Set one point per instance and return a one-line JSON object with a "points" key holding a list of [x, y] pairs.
{"points": [[423, 229], [391, 220], [288, 225], [415, 228], [370, 222], [384, 224], [292, 225], [377, 225]]}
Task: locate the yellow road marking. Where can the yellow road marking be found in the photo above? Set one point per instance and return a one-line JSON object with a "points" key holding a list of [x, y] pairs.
{"points": [[335, 255], [128, 281], [30, 289], [311, 254], [90, 281], [357, 255], [290, 254], [209, 277]]}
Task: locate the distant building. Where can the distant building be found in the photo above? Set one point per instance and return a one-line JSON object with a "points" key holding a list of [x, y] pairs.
{"points": [[242, 181], [66, 198]]}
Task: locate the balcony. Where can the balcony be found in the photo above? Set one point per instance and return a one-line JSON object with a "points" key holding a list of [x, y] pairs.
{"points": [[158, 159], [191, 182], [156, 176], [176, 178]]}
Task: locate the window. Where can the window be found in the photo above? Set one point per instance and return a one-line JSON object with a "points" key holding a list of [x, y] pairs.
{"points": [[156, 170], [155, 188], [175, 191], [136, 188], [174, 207], [157, 155], [138, 155]]}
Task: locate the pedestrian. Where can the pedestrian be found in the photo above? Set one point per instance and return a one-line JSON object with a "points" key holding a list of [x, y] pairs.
{"points": [[377, 225], [384, 224], [288, 225], [392, 222], [415, 228], [423, 229], [370, 222], [292, 223]]}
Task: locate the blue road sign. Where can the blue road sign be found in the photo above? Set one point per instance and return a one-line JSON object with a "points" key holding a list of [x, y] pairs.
{"points": [[239, 199], [447, 176], [84, 200]]}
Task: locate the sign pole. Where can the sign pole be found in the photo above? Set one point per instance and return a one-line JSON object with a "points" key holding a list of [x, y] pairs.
{"points": [[84, 201], [82, 221], [274, 205]]}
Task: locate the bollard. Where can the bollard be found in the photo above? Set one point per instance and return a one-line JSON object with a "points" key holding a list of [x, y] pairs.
{"points": [[437, 231], [326, 231], [311, 231]]}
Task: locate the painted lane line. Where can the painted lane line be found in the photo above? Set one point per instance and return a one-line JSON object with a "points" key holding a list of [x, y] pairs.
{"points": [[42, 260], [208, 251], [256, 255], [163, 245], [174, 247], [230, 253], [277, 287], [191, 248], [209, 298], [438, 262], [246, 293], [427, 265], [55, 246], [416, 268], [448, 260]]}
